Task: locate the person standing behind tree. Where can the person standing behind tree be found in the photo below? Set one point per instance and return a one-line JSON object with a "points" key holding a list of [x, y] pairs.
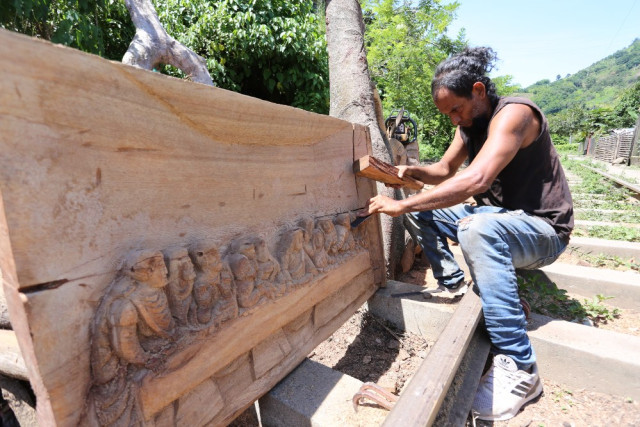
{"points": [[523, 218]]}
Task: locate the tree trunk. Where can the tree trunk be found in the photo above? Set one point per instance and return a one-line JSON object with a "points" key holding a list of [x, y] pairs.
{"points": [[152, 46], [352, 99]]}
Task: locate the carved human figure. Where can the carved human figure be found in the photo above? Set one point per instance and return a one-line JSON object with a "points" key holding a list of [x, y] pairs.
{"points": [[179, 289], [244, 265], [330, 237], [269, 269], [320, 258], [345, 241], [214, 291], [307, 226], [133, 325], [360, 233], [296, 264]]}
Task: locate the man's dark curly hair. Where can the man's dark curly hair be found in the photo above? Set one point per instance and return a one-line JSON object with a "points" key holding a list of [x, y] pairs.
{"points": [[459, 72]]}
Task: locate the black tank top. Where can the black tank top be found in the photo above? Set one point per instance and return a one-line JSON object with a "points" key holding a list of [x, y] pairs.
{"points": [[533, 181]]}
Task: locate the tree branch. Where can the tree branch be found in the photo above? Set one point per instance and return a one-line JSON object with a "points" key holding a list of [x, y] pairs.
{"points": [[152, 46]]}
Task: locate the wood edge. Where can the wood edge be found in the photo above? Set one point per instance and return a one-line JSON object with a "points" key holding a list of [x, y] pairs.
{"points": [[19, 322], [384, 172], [11, 360], [168, 84], [459, 398], [421, 400], [361, 164], [151, 404], [322, 333]]}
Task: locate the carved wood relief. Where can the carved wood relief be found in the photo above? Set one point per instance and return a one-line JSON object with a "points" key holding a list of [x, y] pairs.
{"points": [[160, 301], [159, 269]]}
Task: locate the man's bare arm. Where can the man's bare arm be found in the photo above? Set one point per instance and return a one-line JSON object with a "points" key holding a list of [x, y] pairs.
{"points": [[514, 127], [444, 169]]}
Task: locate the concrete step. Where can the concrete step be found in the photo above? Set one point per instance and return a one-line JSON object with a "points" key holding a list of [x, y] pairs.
{"points": [[316, 395], [583, 223], [624, 286], [572, 354], [606, 247]]}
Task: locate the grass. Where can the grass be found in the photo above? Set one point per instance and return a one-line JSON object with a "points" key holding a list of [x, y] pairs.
{"points": [[630, 216], [604, 196], [612, 262], [547, 299], [609, 232]]}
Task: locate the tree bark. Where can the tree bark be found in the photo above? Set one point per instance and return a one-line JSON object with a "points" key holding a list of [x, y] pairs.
{"points": [[152, 46], [352, 99]]}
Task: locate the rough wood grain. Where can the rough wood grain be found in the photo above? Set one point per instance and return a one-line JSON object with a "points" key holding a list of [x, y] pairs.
{"points": [[420, 401], [122, 208], [372, 168], [11, 362]]}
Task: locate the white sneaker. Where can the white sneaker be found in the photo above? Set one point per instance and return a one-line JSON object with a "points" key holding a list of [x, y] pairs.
{"points": [[503, 389]]}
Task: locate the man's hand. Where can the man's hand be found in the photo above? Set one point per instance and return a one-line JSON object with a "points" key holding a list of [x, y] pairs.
{"points": [[382, 204], [402, 171]]}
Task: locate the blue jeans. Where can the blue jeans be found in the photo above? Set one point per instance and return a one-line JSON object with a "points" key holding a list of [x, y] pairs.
{"points": [[495, 241]]}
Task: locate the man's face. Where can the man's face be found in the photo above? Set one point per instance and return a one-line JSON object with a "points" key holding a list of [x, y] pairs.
{"points": [[462, 111]]}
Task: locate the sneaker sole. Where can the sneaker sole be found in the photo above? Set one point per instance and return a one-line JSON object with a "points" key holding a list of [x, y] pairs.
{"points": [[537, 392]]}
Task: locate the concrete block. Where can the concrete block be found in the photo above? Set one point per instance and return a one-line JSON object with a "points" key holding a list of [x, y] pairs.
{"points": [[424, 317], [577, 355], [316, 395], [624, 286], [586, 357], [607, 247]]}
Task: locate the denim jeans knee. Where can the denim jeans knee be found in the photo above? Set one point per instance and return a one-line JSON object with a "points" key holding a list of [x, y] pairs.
{"points": [[494, 244]]}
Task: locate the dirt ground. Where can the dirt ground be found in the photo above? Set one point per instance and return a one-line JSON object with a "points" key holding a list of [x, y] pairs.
{"points": [[370, 349]]}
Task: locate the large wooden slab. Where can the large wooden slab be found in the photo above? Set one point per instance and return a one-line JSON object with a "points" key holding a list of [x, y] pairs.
{"points": [[169, 251]]}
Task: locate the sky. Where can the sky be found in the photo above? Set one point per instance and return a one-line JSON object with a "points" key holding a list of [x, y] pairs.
{"points": [[540, 39]]}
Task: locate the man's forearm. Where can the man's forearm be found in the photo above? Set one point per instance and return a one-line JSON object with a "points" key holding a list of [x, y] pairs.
{"points": [[432, 174], [449, 193]]}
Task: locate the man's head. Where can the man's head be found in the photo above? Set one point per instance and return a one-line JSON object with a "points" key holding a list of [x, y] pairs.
{"points": [[461, 89]]}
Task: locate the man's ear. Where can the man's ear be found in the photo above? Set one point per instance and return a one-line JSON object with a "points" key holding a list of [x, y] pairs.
{"points": [[479, 89]]}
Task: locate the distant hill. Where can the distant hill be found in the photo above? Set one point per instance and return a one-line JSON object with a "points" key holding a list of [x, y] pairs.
{"points": [[599, 85]]}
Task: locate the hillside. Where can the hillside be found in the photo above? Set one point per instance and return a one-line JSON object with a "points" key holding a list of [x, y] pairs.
{"points": [[599, 85]]}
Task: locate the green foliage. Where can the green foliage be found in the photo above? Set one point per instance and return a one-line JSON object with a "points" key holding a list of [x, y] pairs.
{"points": [[609, 232], [601, 97], [405, 42], [505, 85], [101, 27], [598, 312], [270, 49], [546, 298]]}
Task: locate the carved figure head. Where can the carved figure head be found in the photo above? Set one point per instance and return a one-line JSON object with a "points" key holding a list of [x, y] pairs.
{"points": [[327, 226], [307, 226], [207, 258], [147, 267], [297, 239], [343, 220], [245, 246], [262, 251], [180, 266], [318, 240]]}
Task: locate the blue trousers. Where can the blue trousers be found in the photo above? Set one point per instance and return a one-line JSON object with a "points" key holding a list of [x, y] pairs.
{"points": [[495, 241]]}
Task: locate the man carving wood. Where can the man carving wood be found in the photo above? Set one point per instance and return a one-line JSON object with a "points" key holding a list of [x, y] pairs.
{"points": [[523, 217]]}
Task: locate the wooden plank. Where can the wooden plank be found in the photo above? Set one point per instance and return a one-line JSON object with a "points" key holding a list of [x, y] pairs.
{"points": [[421, 400], [122, 208], [11, 361], [457, 404], [372, 168]]}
